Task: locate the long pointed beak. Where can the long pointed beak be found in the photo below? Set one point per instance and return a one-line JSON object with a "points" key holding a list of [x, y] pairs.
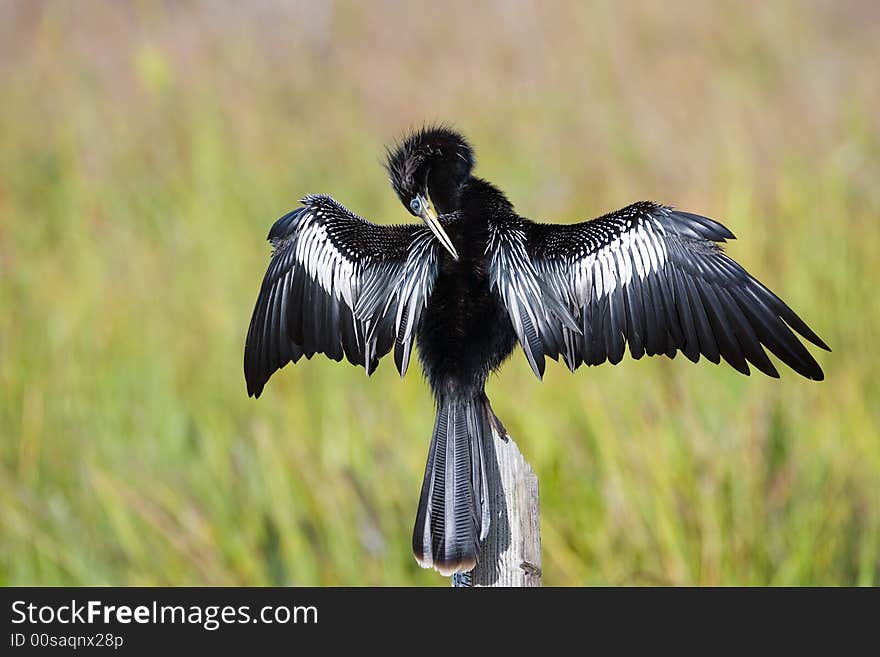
{"points": [[433, 223]]}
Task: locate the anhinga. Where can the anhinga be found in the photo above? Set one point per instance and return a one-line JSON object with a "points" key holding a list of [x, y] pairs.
{"points": [[477, 279]]}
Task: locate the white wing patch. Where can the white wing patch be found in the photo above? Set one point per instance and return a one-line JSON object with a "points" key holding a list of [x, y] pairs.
{"points": [[323, 262], [534, 307], [608, 260], [401, 291], [377, 291]]}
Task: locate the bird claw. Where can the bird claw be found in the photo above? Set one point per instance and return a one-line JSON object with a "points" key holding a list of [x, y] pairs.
{"points": [[497, 426]]}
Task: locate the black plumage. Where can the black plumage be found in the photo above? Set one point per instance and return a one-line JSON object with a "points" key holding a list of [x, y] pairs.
{"points": [[477, 279]]}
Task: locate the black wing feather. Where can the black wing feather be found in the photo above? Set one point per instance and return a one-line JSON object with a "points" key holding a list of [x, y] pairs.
{"points": [[655, 279], [334, 285]]}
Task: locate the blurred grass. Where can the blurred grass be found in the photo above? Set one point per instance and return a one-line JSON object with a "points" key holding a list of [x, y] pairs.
{"points": [[147, 147]]}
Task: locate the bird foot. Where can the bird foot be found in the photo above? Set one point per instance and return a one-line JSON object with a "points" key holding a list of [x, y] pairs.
{"points": [[497, 425]]}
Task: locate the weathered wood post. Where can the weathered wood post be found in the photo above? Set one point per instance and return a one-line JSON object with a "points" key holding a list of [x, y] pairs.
{"points": [[511, 553]]}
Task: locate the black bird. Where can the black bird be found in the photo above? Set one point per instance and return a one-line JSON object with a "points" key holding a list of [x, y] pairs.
{"points": [[477, 279]]}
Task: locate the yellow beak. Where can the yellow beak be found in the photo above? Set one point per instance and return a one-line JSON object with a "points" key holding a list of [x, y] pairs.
{"points": [[430, 218]]}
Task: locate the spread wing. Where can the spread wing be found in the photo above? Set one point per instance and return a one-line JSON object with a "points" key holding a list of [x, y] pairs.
{"points": [[656, 279], [338, 285]]}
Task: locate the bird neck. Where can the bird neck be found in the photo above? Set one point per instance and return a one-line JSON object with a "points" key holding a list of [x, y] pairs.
{"points": [[445, 182], [481, 202]]}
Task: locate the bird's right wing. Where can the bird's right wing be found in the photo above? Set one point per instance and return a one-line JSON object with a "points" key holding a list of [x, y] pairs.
{"points": [[647, 276], [656, 278], [338, 285]]}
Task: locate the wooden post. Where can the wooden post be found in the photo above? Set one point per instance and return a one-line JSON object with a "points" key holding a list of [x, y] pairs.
{"points": [[511, 553]]}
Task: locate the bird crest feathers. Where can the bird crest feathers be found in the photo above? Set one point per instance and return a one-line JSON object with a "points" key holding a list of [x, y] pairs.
{"points": [[405, 159]]}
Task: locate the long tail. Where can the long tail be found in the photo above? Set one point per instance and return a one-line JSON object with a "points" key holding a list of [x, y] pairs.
{"points": [[453, 514]]}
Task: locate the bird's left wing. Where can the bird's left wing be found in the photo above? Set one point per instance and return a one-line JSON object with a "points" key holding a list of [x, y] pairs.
{"points": [[338, 285]]}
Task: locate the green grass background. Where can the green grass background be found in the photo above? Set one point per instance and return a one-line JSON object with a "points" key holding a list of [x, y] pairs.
{"points": [[146, 148]]}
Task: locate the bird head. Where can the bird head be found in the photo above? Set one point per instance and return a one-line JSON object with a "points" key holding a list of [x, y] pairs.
{"points": [[428, 170]]}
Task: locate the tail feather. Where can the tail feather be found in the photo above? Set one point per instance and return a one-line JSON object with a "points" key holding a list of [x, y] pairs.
{"points": [[453, 515]]}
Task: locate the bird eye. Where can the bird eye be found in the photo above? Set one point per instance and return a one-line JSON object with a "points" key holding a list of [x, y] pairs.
{"points": [[415, 205]]}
